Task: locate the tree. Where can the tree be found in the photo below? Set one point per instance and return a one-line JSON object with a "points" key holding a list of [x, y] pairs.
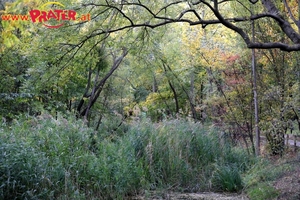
{"points": [[279, 89], [95, 87], [63, 72], [65, 69], [152, 15]]}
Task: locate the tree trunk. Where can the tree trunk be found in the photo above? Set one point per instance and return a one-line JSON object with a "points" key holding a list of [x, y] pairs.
{"points": [[97, 88], [154, 86], [255, 100], [173, 90]]}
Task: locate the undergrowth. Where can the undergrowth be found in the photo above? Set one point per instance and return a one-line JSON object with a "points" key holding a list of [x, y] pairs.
{"points": [[260, 178], [47, 158]]}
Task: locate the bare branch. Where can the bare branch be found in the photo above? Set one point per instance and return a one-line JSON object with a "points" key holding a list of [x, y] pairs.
{"points": [[169, 5], [192, 11]]}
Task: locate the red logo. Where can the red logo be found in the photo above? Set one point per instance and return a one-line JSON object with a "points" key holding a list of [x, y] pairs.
{"points": [[54, 18], [49, 15]]}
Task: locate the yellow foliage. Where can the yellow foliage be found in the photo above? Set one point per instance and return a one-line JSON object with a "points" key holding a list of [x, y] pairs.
{"points": [[206, 47]]}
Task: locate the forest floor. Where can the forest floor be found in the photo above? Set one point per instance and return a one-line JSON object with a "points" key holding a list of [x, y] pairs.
{"points": [[287, 184]]}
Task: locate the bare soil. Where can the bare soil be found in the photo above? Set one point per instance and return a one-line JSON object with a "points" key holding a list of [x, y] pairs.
{"points": [[289, 183], [289, 186], [195, 196]]}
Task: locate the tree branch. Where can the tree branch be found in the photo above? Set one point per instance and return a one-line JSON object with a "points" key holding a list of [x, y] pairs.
{"points": [[157, 20], [274, 45], [284, 24]]}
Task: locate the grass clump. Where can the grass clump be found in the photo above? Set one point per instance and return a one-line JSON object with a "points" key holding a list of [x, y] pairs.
{"points": [[227, 178], [23, 172], [46, 158], [188, 156], [258, 180], [263, 191]]}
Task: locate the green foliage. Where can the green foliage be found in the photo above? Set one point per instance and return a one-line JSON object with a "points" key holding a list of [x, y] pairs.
{"points": [[262, 171], [47, 158], [258, 180], [227, 178], [275, 131], [263, 191], [24, 172], [279, 89], [227, 175], [13, 100], [182, 154]]}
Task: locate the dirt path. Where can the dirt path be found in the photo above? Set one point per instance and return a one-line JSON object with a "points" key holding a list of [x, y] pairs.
{"points": [[291, 140], [194, 196], [205, 196]]}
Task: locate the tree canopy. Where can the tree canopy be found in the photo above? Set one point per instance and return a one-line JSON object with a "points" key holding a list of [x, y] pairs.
{"points": [[231, 14], [159, 60]]}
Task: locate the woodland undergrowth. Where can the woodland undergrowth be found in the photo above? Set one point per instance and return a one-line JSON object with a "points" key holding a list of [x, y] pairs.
{"points": [[46, 158]]}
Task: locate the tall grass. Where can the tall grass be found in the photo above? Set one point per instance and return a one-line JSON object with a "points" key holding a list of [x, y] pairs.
{"points": [[44, 158], [183, 155]]}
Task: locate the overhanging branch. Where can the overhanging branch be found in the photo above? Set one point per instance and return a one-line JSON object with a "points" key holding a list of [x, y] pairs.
{"points": [[157, 19], [274, 45]]}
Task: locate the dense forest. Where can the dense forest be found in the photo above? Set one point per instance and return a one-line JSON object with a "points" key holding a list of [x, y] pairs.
{"points": [[111, 99]]}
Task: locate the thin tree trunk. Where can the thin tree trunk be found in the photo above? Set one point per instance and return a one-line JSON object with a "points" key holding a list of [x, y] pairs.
{"points": [[192, 87], [255, 100], [92, 96], [173, 90], [201, 100], [86, 93], [192, 95], [175, 96], [154, 86], [184, 90]]}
